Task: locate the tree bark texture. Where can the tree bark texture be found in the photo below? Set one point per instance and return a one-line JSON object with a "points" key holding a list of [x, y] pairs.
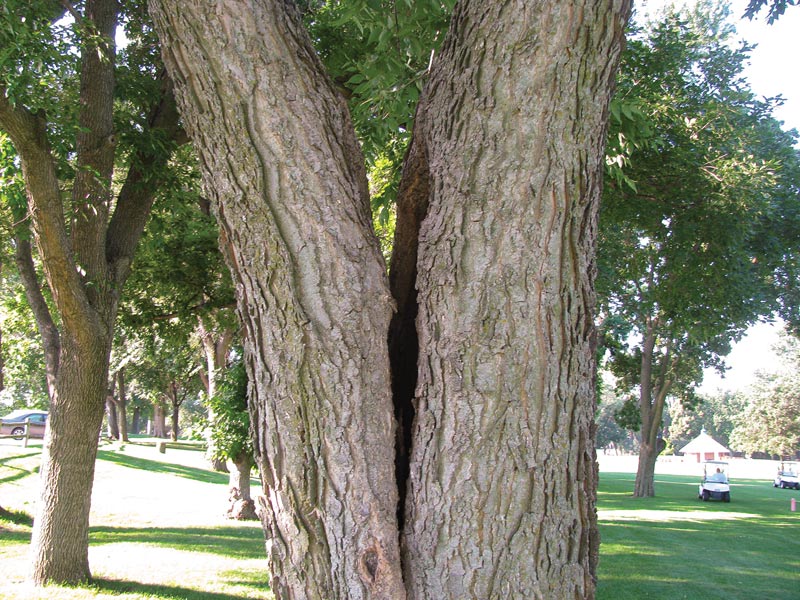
{"points": [[281, 163], [513, 120], [507, 159]]}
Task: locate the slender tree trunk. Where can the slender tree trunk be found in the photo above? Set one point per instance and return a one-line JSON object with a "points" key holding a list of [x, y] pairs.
{"points": [[159, 422], [48, 332], [501, 498], [215, 347], [122, 405], [652, 397], [135, 426], [111, 415], [644, 485]]}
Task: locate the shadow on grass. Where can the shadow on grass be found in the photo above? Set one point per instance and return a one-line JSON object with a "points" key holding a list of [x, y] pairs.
{"points": [[150, 590], [155, 466], [17, 517], [675, 546], [234, 542], [10, 537], [17, 472]]}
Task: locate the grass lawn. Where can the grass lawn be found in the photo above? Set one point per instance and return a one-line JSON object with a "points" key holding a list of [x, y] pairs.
{"points": [[157, 529], [675, 546], [158, 532]]}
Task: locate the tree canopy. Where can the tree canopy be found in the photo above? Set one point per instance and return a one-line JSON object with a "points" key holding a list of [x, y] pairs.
{"points": [[700, 240]]}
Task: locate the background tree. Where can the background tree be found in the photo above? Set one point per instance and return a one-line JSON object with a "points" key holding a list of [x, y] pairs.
{"points": [[59, 87], [230, 433], [716, 413], [507, 158], [702, 243], [770, 422]]}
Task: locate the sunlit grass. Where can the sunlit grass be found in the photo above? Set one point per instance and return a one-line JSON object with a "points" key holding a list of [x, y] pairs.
{"points": [[675, 546], [157, 532]]}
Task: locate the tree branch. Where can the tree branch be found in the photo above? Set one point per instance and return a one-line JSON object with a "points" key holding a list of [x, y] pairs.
{"points": [[145, 175], [28, 133]]}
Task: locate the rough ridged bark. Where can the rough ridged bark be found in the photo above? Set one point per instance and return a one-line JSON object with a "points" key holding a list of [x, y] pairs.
{"points": [[501, 501], [281, 163], [507, 158]]}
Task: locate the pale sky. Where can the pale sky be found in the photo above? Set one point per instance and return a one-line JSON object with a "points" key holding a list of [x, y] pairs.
{"points": [[773, 70]]}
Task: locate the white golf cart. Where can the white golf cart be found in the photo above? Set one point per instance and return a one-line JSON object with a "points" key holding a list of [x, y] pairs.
{"points": [[787, 476], [715, 484]]}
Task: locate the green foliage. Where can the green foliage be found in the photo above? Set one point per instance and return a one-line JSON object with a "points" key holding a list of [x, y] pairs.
{"points": [[771, 420], [716, 414], [378, 53], [230, 433], [699, 236], [609, 430], [775, 8]]}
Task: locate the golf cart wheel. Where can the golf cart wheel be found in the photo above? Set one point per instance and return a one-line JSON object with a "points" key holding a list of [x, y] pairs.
{"points": [[706, 495], [783, 485], [18, 432], [726, 497]]}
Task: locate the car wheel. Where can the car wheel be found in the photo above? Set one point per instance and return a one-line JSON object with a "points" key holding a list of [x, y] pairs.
{"points": [[706, 495], [783, 485], [726, 497], [18, 432]]}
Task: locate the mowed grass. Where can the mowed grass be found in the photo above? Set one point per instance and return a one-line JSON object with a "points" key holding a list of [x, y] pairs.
{"points": [[158, 533], [675, 546], [158, 529]]}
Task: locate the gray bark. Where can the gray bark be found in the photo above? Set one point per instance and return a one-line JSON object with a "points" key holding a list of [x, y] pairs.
{"points": [[509, 146], [502, 477], [284, 171]]}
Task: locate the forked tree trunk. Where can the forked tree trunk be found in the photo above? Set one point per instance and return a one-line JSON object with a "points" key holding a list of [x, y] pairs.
{"points": [[86, 264], [510, 138]]}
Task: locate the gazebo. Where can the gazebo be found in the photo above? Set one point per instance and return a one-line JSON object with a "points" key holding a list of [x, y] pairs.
{"points": [[705, 448]]}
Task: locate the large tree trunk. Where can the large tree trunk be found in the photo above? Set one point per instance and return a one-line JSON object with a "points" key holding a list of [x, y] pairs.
{"points": [[513, 126], [510, 143], [282, 165]]}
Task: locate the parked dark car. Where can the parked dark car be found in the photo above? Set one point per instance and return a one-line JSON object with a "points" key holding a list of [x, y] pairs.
{"points": [[14, 423]]}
